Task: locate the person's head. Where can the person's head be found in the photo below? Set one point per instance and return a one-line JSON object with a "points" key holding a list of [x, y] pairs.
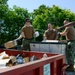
{"points": [[27, 21], [50, 26], [65, 22]]}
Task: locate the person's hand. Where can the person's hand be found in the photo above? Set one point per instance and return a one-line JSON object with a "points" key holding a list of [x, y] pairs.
{"points": [[58, 34], [15, 39], [59, 28], [36, 34], [45, 38]]}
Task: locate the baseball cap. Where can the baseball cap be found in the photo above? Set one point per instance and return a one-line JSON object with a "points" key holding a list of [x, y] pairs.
{"points": [[27, 20]]}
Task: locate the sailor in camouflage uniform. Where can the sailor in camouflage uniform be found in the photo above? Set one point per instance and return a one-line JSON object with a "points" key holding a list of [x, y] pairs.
{"points": [[69, 32], [27, 35], [50, 33]]}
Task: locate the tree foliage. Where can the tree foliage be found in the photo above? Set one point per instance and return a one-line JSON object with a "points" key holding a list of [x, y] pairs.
{"points": [[54, 15], [12, 20]]}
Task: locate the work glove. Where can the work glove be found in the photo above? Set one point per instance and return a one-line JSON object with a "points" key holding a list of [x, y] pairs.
{"points": [[18, 41], [58, 34]]}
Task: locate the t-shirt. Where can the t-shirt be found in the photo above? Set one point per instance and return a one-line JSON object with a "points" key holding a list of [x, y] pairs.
{"points": [[70, 33], [28, 31], [50, 34]]}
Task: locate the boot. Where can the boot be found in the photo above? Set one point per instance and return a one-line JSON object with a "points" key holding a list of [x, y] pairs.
{"points": [[70, 68]]}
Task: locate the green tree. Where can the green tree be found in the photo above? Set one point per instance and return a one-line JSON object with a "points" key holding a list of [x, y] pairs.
{"points": [[14, 19], [3, 13], [55, 15]]}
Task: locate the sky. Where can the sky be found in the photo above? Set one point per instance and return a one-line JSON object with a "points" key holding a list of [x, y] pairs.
{"points": [[30, 5]]}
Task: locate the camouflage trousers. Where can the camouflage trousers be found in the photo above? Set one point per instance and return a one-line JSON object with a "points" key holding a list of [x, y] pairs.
{"points": [[70, 52], [26, 44]]}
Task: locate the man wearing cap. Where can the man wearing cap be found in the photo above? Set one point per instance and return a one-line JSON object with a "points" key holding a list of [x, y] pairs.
{"points": [[27, 35], [69, 32], [50, 33]]}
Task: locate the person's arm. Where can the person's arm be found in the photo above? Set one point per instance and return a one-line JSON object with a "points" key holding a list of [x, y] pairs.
{"points": [[45, 38], [21, 36], [56, 37], [64, 32]]}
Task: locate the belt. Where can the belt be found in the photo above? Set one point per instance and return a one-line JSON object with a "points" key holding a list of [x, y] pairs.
{"points": [[28, 38], [71, 40]]}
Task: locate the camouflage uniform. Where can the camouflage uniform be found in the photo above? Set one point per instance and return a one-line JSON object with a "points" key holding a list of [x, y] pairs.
{"points": [[28, 33], [70, 52], [26, 44]]}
